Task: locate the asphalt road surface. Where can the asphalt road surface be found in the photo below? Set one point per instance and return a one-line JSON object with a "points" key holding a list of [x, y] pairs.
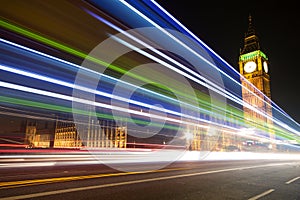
{"points": [[191, 180]]}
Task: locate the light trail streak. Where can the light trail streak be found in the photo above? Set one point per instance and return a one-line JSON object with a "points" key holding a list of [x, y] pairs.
{"points": [[239, 101], [52, 43], [69, 110], [161, 54], [214, 87], [185, 46], [207, 82], [70, 50], [25, 114], [102, 105], [33, 164], [52, 80], [204, 84], [65, 109], [70, 85], [62, 82], [175, 39], [63, 47], [74, 99], [41, 38], [83, 68], [215, 54]]}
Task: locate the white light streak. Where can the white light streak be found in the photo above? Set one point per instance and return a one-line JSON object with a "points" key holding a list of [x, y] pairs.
{"points": [[204, 84], [102, 105], [63, 83], [247, 105], [202, 43], [184, 45]]}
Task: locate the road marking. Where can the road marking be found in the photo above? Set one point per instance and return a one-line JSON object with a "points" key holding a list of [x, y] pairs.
{"points": [[14, 184], [292, 180], [135, 181], [262, 194]]}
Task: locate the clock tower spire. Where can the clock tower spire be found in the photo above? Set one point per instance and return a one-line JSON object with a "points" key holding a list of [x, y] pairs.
{"points": [[251, 41], [253, 63], [253, 66]]}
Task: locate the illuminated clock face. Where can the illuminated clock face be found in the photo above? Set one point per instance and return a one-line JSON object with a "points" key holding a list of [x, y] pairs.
{"points": [[250, 66], [265, 66]]}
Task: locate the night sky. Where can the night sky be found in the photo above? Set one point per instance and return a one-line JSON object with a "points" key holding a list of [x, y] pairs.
{"points": [[222, 25]]}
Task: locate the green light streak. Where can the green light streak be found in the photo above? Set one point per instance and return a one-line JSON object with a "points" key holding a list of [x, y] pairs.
{"points": [[33, 104], [203, 99], [80, 54], [41, 38], [65, 48], [64, 109]]}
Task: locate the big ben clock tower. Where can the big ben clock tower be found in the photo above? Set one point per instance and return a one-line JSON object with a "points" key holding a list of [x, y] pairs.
{"points": [[254, 66]]}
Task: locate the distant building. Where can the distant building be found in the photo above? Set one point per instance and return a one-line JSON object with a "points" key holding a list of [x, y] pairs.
{"points": [[36, 137], [42, 138], [30, 133], [105, 134], [254, 66], [66, 136]]}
